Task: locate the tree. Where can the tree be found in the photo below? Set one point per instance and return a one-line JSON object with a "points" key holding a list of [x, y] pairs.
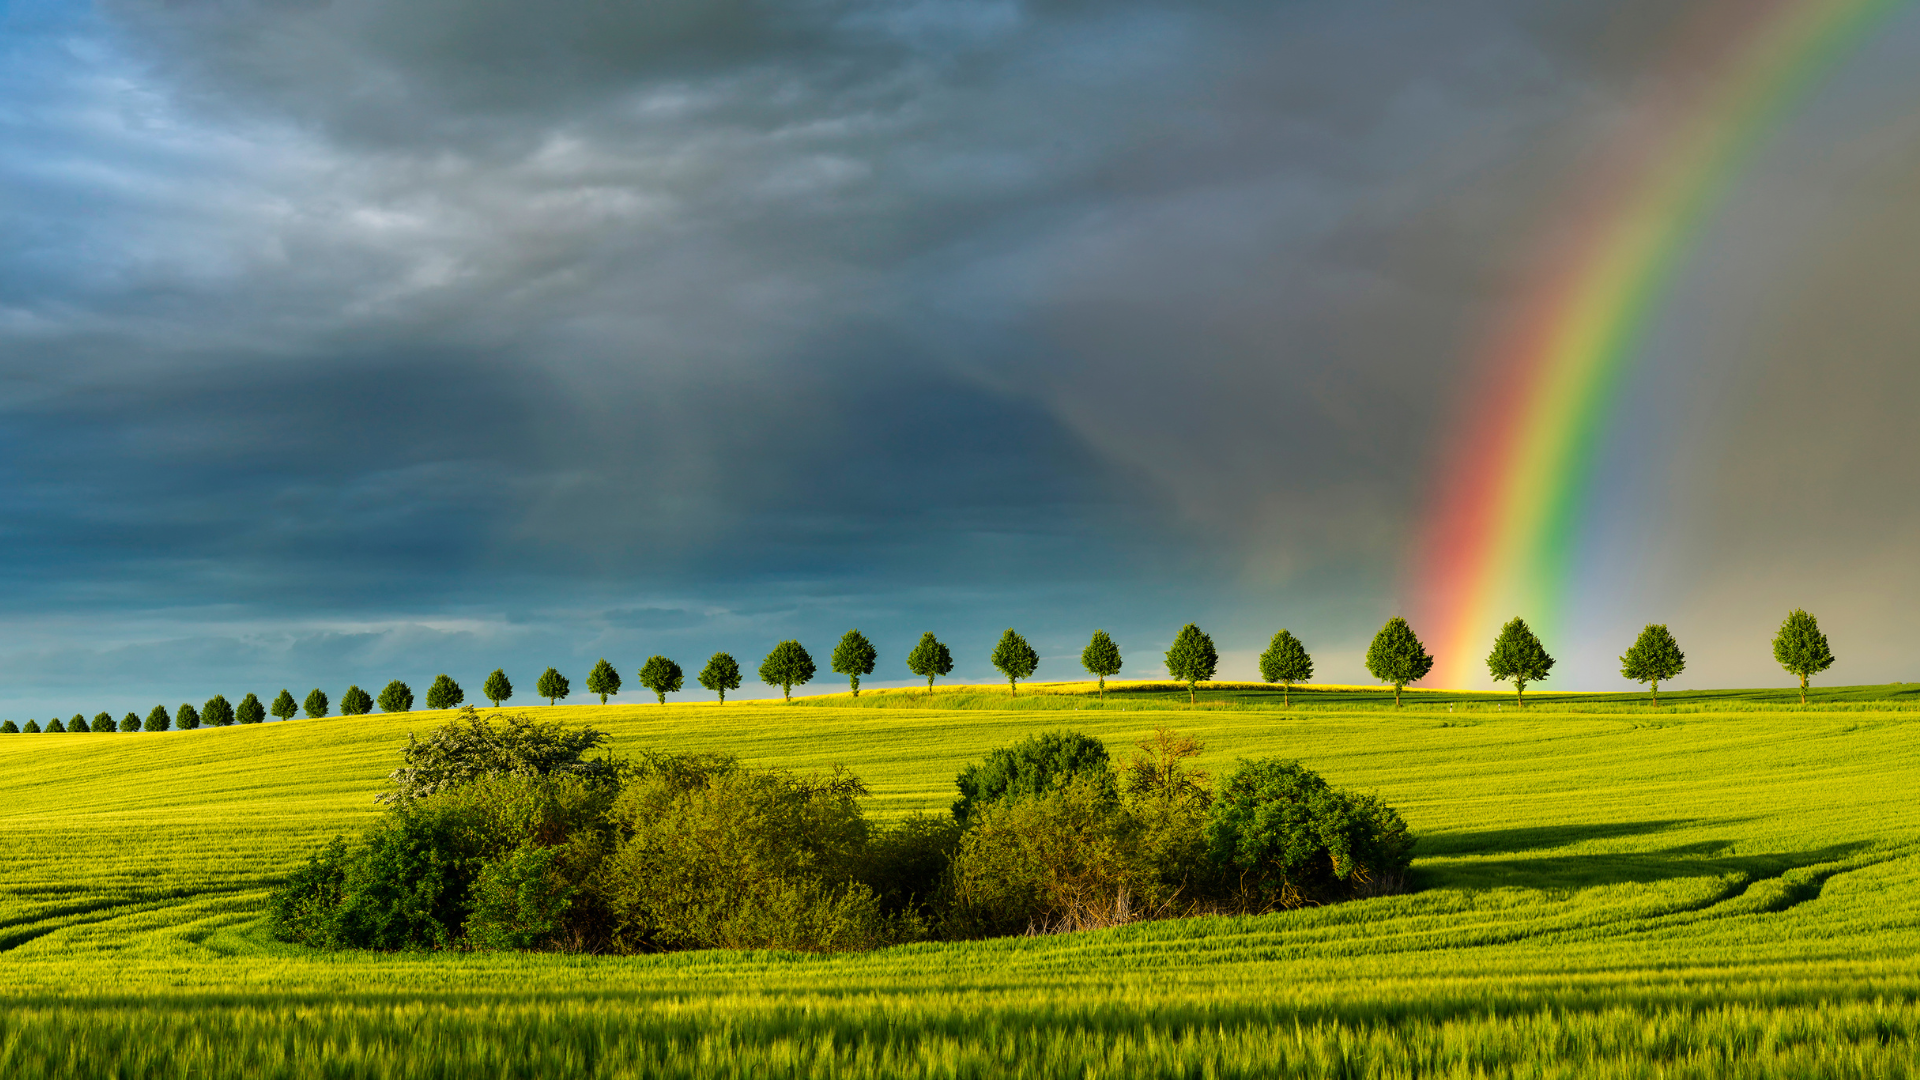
{"points": [[355, 702], [1518, 656], [8, 727], [445, 693], [1801, 648], [498, 687], [1286, 662], [1653, 658], [603, 680], [929, 659], [31, 728], [854, 657], [158, 720], [79, 723], [1101, 658], [396, 696], [1015, 659], [284, 707], [1192, 659], [786, 667], [187, 717], [216, 712], [130, 722], [250, 711], [102, 718], [721, 674], [1396, 656], [316, 704], [553, 686], [662, 676], [54, 725]]}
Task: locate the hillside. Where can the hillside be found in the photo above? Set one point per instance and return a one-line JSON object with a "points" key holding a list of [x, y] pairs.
{"points": [[1709, 891]]}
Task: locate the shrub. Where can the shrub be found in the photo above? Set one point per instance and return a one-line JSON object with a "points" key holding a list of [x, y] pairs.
{"points": [[470, 747], [355, 702], [216, 712], [130, 722], [1031, 766], [250, 710], [8, 727], [396, 696], [907, 861], [31, 728], [187, 718], [521, 900], [158, 720], [443, 694], [79, 724], [407, 885], [1292, 839]]}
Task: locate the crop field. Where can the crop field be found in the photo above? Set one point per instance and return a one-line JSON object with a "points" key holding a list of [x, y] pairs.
{"points": [[1728, 887]]}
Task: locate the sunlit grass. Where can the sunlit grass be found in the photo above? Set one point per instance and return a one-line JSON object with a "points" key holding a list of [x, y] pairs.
{"points": [[1726, 886]]}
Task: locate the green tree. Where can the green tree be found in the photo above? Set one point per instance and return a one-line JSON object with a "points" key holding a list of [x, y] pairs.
{"points": [[102, 718], [721, 674], [1518, 656], [284, 707], [250, 711], [1286, 662], [355, 702], [1192, 659], [1015, 659], [54, 725], [8, 727], [1801, 648], [552, 685], [1653, 658], [130, 722], [79, 723], [1396, 656], [1101, 658], [187, 717], [498, 687], [786, 667], [445, 693], [158, 720], [603, 680], [217, 712], [854, 657], [929, 659], [316, 704], [662, 676], [31, 728], [396, 696]]}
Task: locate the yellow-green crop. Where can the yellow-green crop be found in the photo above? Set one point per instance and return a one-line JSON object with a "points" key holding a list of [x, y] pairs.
{"points": [[1603, 891]]}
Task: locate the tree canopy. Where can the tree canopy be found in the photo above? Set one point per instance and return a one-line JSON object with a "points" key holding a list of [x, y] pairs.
{"points": [[1192, 659], [130, 722], [552, 685], [284, 707], [1396, 656], [498, 687], [1518, 657], [929, 659], [604, 680], [186, 718], [217, 712], [662, 676], [469, 747], [786, 667], [854, 657], [1801, 648], [1653, 658], [1036, 764], [158, 720], [445, 693], [355, 702], [1286, 662], [316, 704], [721, 674], [1101, 658], [1015, 659], [396, 696]]}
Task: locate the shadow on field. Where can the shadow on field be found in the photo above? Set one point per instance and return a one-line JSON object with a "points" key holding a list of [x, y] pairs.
{"points": [[1535, 838], [1695, 860]]}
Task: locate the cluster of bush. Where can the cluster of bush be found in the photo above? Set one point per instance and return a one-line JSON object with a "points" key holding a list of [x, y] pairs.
{"points": [[509, 836]]}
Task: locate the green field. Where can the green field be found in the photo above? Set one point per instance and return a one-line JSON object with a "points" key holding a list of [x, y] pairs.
{"points": [[1729, 887]]}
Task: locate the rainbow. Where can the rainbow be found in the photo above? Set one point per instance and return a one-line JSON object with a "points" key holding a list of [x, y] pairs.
{"points": [[1501, 536]]}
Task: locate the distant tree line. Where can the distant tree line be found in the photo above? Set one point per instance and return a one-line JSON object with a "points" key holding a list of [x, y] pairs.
{"points": [[507, 835], [1396, 657]]}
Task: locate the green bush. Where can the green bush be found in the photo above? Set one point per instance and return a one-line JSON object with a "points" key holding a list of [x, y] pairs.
{"points": [[521, 900], [130, 722], [907, 861], [470, 747], [1031, 766], [1292, 838]]}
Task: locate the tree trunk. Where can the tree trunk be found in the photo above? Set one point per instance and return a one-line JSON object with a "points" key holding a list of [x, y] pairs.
{"points": [[1015, 684], [1103, 688], [1519, 694], [1189, 695], [786, 691], [1656, 693], [1286, 695], [1396, 695], [1803, 689]]}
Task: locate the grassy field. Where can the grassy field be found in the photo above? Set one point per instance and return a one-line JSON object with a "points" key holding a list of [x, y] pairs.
{"points": [[1726, 887]]}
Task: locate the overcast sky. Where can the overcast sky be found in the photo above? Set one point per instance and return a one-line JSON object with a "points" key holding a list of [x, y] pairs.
{"points": [[369, 339]]}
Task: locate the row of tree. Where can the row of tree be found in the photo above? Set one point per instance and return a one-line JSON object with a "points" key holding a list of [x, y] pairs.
{"points": [[1396, 656]]}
